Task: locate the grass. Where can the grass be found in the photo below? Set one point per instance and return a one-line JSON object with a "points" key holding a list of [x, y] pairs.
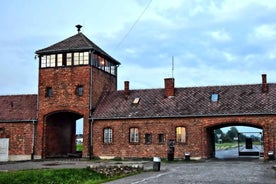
{"points": [[79, 147], [54, 176], [229, 145]]}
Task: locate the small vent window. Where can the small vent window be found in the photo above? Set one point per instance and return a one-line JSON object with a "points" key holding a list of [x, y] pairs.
{"points": [[136, 100], [147, 138], [49, 92], [214, 97], [79, 90]]}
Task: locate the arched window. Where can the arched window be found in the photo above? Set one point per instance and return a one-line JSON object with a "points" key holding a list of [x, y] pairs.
{"points": [[180, 134]]}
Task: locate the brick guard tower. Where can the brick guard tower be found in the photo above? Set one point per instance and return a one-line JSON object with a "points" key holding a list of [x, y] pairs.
{"points": [[73, 74]]}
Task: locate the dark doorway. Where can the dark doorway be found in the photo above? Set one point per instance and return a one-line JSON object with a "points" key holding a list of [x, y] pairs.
{"points": [[60, 135]]}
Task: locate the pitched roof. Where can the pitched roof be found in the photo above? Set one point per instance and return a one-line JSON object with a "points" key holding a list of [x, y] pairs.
{"points": [[192, 101], [78, 42], [18, 108]]}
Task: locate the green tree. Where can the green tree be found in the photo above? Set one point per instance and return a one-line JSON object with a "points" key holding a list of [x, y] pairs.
{"points": [[218, 135]]}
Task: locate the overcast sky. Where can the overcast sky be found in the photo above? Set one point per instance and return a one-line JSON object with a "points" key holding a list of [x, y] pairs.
{"points": [[213, 42]]}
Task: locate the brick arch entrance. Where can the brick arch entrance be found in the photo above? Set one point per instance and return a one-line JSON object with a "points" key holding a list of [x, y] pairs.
{"points": [[60, 134], [210, 149], [261, 122]]}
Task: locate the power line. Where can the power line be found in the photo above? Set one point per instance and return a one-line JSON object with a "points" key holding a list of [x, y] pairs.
{"points": [[131, 28]]}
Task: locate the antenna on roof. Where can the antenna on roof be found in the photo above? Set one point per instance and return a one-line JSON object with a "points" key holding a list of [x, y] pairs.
{"points": [[172, 65], [79, 27]]}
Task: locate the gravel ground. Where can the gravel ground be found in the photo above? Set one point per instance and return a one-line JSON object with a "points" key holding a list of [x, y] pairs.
{"points": [[210, 171]]}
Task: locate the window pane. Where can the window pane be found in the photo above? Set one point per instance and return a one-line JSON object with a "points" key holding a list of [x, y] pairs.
{"points": [[134, 136], [53, 60], [76, 58], [48, 58], [107, 135], [181, 134], [113, 70], [59, 60], [86, 58], [69, 59], [49, 92], [81, 58], [147, 138], [161, 138], [79, 90], [102, 63], [43, 62]]}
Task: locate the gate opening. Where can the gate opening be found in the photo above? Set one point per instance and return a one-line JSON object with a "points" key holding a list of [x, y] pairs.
{"points": [[237, 142], [61, 138]]}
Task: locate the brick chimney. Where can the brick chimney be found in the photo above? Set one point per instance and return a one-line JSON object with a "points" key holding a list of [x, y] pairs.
{"points": [[126, 92], [264, 84], [169, 87]]}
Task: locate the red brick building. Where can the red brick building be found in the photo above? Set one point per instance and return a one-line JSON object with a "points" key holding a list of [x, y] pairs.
{"points": [[77, 79]]}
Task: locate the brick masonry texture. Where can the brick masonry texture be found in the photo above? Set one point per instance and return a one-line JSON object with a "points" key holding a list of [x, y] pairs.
{"points": [[198, 139], [64, 82], [20, 136]]}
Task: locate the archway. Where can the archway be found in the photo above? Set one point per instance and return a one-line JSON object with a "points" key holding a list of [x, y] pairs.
{"points": [[60, 135], [235, 140]]}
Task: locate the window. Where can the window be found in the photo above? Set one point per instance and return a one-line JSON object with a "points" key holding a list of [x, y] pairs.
{"points": [[180, 134], [136, 100], [43, 62], [147, 138], [79, 90], [81, 58], [103, 64], [48, 61], [85, 58], [108, 135], [133, 135], [161, 138], [214, 97], [59, 60], [49, 92], [69, 59]]}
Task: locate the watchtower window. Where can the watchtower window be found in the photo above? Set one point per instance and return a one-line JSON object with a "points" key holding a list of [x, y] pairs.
{"points": [[69, 59], [59, 60], [48, 61], [81, 58]]}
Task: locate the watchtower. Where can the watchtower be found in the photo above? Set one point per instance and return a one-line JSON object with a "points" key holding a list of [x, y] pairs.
{"points": [[73, 74]]}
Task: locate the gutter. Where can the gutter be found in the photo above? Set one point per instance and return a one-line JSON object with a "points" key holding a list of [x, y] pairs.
{"points": [[183, 116]]}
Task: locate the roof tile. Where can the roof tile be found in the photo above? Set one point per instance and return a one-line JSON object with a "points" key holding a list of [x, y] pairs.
{"points": [[18, 108], [192, 101]]}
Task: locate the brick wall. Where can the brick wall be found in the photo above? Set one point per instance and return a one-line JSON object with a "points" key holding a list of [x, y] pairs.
{"points": [[198, 140], [64, 82], [20, 136]]}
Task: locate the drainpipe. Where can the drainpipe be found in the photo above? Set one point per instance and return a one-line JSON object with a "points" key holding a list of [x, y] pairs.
{"points": [[91, 88], [33, 139], [90, 105], [91, 120]]}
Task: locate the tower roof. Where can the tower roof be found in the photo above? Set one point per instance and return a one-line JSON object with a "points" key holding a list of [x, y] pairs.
{"points": [[76, 43]]}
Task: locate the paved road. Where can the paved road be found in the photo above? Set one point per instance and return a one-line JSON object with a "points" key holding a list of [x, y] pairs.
{"points": [[215, 172], [211, 171], [234, 152]]}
